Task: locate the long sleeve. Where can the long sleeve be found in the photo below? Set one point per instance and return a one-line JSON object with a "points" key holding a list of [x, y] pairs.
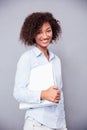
{"points": [[61, 84], [58, 75], [51, 116], [21, 87]]}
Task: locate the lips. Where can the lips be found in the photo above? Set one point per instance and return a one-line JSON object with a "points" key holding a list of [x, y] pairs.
{"points": [[45, 41]]}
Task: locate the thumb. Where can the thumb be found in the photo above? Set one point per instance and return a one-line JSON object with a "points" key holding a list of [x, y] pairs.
{"points": [[55, 87]]}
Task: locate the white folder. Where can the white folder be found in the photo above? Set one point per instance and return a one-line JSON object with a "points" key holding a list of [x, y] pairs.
{"points": [[41, 78]]}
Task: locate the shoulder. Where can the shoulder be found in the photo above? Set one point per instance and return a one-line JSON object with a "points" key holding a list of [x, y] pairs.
{"points": [[57, 57], [25, 57]]}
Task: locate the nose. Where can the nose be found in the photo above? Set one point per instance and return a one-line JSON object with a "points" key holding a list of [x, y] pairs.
{"points": [[44, 35]]}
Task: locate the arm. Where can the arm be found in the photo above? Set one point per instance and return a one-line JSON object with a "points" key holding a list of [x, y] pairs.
{"points": [[51, 94], [54, 93], [21, 90]]}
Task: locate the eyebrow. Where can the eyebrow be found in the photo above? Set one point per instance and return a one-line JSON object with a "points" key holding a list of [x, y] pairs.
{"points": [[49, 27]]}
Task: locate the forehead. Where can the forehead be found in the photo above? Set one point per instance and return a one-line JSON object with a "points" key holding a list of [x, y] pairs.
{"points": [[45, 25]]}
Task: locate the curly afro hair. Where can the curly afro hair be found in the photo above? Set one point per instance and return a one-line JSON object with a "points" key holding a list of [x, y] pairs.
{"points": [[33, 23]]}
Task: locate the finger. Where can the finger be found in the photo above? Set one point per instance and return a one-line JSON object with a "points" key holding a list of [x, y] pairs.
{"points": [[55, 87], [58, 93], [56, 101], [57, 97]]}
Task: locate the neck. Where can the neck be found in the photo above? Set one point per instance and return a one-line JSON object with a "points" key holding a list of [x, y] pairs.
{"points": [[45, 51]]}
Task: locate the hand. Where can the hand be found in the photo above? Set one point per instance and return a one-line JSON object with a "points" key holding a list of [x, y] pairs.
{"points": [[51, 94]]}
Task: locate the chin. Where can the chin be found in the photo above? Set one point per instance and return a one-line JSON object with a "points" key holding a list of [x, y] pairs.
{"points": [[45, 46]]}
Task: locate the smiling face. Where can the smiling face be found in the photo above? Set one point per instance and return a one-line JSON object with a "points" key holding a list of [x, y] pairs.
{"points": [[44, 36]]}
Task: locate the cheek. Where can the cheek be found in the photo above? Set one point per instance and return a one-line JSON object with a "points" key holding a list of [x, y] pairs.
{"points": [[37, 38], [51, 35]]}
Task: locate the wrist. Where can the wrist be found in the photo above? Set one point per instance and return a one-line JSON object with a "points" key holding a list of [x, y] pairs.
{"points": [[43, 95]]}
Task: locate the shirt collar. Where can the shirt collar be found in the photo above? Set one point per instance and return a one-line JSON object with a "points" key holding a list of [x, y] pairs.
{"points": [[39, 52], [52, 56], [36, 51]]}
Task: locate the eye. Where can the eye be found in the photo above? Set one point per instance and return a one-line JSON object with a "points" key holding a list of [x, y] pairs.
{"points": [[49, 30]]}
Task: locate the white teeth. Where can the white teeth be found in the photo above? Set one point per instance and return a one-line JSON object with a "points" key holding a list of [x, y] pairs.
{"points": [[45, 41]]}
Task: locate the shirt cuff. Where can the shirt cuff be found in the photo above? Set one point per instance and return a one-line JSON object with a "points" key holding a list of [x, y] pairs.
{"points": [[35, 96]]}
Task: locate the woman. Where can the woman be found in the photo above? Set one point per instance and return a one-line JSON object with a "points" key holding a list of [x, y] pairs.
{"points": [[39, 30]]}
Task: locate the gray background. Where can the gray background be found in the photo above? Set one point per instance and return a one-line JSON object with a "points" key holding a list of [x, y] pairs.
{"points": [[71, 48]]}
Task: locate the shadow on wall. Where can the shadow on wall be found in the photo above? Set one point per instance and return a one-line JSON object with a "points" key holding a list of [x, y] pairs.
{"points": [[4, 127], [72, 51]]}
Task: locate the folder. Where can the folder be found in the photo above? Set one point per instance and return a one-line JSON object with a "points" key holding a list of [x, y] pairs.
{"points": [[41, 78]]}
